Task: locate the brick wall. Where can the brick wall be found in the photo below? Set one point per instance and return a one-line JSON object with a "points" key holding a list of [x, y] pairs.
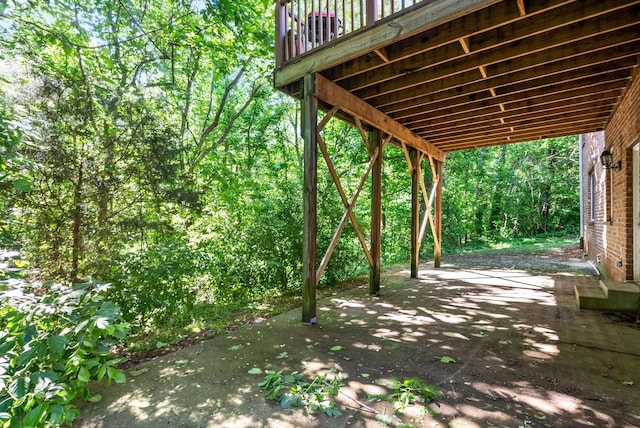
{"points": [[609, 236]]}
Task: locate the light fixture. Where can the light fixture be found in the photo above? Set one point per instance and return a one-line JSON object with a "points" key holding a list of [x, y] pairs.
{"points": [[606, 158]]}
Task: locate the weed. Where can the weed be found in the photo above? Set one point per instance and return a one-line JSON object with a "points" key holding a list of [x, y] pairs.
{"points": [[293, 392], [410, 391]]}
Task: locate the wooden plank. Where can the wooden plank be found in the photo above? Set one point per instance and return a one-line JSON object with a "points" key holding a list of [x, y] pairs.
{"points": [[567, 111], [464, 109], [337, 96], [309, 113], [539, 125], [484, 19], [526, 135], [405, 24], [553, 103], [490, 39], [538, 48], [579, 62]]}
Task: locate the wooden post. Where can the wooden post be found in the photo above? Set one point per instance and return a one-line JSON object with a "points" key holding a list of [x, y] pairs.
{"points": [[281, 31], [375, 141], [309, 122], [372, 12], [415, 211], [437, 239]]}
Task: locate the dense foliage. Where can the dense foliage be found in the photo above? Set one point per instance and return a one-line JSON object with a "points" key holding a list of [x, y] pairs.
{"points": [[54, 339], [142, 144]]}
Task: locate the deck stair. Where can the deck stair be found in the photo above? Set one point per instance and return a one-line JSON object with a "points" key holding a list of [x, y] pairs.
{"points": [[608, 295]]}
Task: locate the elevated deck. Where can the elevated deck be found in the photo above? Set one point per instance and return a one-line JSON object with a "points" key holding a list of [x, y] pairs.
{"points": [[466, 74], [435, 76]]}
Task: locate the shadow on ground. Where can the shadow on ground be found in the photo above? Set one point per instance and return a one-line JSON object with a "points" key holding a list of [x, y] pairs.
{"points": [[525, 356]]}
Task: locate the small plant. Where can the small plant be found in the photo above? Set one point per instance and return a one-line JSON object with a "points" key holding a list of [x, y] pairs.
{"points": [[293, 392], [410, 391]]}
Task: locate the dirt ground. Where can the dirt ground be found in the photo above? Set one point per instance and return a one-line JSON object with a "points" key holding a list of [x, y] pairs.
{"points": [[525, 356]]}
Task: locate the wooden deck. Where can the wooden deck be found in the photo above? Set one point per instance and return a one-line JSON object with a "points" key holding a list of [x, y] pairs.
{"points": [[435, 76], [466, 74]]}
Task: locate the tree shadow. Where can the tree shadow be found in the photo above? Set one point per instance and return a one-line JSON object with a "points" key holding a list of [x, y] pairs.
{"points": [[524, 356]]}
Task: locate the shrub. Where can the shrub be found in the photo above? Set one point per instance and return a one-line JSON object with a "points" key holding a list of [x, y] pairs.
{"points": [[54, 339]]}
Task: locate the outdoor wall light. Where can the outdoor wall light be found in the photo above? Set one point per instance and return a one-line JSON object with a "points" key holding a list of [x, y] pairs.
{"points": [[607, 161]]}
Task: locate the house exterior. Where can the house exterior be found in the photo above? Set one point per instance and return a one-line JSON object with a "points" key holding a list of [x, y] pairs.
{"points": [[611, 196]]}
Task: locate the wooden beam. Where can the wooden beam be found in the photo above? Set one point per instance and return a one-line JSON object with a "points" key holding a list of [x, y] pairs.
{"points": [[450, 118], [540, 125], [400, 26], [415, 211], [528, 135], [437, 230], [493, 16], [376, 143], [566, 111], [521, 8], [512, 40], [542, 47], [348, 214], [309, 122], [338, 97], [602, 58]]}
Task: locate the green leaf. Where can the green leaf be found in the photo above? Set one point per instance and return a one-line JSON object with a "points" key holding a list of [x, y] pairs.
{"points": [[55, 415], [255, 370], [26, 357], [95, 398], [332, 412], [627, 382], [447, 360], [22, 185], [57, 344], [336, 348], [116, 374], [19, 387], [139, 371], [384, 419], [32, 418], [83, 374]]}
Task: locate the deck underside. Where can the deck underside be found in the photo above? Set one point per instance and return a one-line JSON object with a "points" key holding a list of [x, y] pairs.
{"points": [[462, 75]]}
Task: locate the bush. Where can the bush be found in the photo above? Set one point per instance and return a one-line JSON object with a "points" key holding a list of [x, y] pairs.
{"points": [[54, 340]]}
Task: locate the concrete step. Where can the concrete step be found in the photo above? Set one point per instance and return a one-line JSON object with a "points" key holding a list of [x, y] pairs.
{"points": [[624, 296], [608, 295]]}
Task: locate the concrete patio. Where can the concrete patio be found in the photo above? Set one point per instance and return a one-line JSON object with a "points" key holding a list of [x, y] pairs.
{"points": [[524, 354]]}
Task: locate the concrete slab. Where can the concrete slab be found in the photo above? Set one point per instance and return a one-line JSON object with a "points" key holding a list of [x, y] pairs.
{"points": [[524, 356]]}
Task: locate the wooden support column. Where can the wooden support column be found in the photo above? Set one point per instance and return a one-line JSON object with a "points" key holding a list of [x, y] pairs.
{"points": [[309, 122], [437, 238], [375, 142], [415, 157]]}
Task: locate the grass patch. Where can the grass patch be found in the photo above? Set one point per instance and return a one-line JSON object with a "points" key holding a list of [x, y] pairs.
{"points": [[518, 245], [210, 320]]}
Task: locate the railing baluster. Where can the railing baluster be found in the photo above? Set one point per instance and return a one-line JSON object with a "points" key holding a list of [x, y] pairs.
{"points": [[302, 25]]}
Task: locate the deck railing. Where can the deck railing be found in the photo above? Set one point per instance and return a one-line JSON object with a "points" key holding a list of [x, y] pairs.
{"points": [[303, 25]]}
